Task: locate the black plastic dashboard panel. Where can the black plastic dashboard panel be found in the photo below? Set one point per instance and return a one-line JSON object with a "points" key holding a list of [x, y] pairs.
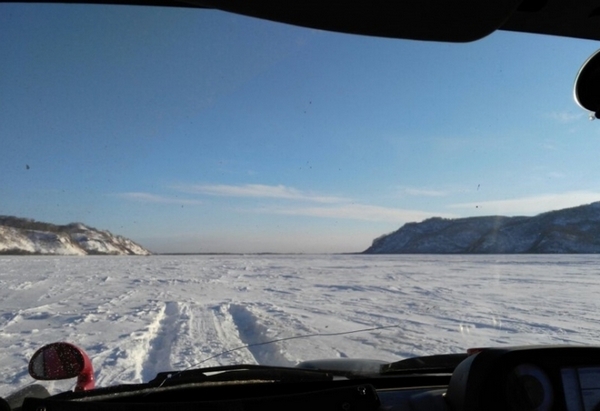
{"points": [[547, 378], [528, 378], [357, 397]]}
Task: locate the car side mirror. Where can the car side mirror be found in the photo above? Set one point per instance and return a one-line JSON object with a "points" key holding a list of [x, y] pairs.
{"points": [[60, 361], [587, 85]]}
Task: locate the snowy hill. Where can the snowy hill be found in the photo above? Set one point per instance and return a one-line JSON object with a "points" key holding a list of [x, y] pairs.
{"points": [[26, 236], [567, 231]]}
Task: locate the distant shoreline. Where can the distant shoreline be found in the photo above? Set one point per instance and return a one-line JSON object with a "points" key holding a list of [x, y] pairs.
{"points": [[265, 253], [21, 254], [378, 254]]}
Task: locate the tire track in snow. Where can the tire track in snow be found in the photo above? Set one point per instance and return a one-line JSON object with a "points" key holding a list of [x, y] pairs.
{"points": [[203, 331], [252, 332], [162, 333], [228, 339]]}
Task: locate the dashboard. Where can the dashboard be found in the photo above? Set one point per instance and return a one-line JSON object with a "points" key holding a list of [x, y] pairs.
{"points": [[546, 378], [520, 379]]}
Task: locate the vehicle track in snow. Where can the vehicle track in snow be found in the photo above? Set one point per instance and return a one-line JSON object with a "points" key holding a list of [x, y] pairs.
{"points": [[144, 352], [161, 337], [256, 335], [201, 334]]}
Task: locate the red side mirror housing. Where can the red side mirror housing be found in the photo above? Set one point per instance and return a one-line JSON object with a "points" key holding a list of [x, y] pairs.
{"points": [[60, 361]]}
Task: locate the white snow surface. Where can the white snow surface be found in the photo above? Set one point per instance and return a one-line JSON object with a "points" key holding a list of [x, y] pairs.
{"points": [[139, 316]]}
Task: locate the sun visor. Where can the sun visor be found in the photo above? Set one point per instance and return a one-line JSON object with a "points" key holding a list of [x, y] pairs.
{"points": [[435, 20], [579, 19]]}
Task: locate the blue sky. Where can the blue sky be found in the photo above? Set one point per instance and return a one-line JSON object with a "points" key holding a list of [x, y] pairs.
{"points": [[202, 131]]}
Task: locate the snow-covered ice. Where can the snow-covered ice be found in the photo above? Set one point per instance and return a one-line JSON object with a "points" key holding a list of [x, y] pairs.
{"points": [[136, 316]]}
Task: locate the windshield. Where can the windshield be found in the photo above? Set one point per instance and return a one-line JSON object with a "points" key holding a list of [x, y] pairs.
{"points": [[248, 157]]}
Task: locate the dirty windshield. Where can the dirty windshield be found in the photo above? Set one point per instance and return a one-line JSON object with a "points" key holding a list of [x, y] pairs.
{"points": [[179, 187]]}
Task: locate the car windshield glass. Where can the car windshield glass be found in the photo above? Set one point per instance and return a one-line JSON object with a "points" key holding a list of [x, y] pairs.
{"points": [[257, 161]]}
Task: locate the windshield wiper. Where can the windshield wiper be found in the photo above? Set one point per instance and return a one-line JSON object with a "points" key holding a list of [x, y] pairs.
{"points": [[245, 372], [445, 363]]}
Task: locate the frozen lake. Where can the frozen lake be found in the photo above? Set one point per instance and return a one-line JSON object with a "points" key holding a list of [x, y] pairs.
{"points": [[136, 316]]}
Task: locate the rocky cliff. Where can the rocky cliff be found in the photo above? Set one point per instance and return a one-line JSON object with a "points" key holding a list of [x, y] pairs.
{"points": [[571, 230], [26, 236]]}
